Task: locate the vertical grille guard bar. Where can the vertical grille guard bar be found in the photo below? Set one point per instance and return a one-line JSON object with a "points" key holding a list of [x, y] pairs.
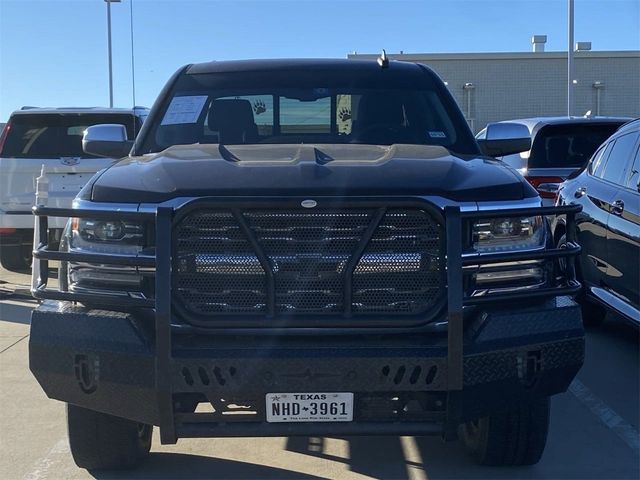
{"points": [[43, 263], [262, 258], [455, 293], [570, 229], [163, 350], [355, 258]]}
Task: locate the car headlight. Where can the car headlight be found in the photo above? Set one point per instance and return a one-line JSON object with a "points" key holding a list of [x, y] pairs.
{"points": [[503, 235], [509, 234], [105, 237]]}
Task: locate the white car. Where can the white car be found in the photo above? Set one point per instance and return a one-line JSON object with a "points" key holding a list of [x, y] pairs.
{"points": [[49, 137]]}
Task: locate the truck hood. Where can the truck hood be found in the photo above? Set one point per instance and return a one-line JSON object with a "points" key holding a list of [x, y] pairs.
{"points": [[300, 170]]}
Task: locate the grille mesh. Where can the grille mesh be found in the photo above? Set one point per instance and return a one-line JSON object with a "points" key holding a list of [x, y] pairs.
{"points": [[400, 269], [218, 270]]}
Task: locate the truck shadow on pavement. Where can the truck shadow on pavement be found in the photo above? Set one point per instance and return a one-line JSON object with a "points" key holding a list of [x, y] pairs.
{"points": [[171, 466], [17, 312], [386, 457]]}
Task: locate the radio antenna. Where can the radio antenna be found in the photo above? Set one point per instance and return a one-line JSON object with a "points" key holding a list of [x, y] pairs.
{"points": [[383, 60]]}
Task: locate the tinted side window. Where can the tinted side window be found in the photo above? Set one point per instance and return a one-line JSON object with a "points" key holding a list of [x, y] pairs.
{"points": [[596, 167], [620, 158], [633, 178], [568, 145], [54, 135]]}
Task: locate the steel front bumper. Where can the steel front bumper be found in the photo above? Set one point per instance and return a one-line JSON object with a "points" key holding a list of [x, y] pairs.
{"points": [[106, 361]]}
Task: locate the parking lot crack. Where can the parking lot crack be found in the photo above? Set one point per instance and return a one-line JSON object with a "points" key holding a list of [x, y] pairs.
{"points": [[13, 344]]}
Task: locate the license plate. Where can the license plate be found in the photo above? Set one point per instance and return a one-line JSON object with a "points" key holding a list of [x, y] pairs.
{"points": [[60, 182], [309, 407]]}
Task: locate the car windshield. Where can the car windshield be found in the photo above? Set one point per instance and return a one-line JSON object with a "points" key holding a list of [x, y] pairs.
{"points": [[55, 135], [202, 110], [568, 145]]}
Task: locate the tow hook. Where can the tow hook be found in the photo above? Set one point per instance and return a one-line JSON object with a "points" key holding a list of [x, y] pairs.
{"points": [[87, 371], [529, 367]]}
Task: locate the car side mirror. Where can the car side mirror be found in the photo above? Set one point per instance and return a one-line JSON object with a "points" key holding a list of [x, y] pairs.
{"points": [[502, 139], [107, 140]]}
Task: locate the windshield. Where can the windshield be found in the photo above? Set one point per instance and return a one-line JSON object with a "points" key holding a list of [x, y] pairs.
{"points": [[568, 145], [203, 110], [54, 135]]}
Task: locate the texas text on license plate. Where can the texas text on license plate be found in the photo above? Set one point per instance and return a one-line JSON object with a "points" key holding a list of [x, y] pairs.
{"points": [[309, 407]]}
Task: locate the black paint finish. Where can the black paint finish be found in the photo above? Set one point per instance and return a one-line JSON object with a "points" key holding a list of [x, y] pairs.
{"points": [[608, 229]]}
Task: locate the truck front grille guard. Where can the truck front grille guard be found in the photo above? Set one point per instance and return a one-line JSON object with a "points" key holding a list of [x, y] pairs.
{"points": [[454, 221]]}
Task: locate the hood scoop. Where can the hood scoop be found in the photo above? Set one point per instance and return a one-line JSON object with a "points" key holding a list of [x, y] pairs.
{"points": [[292, 154]]}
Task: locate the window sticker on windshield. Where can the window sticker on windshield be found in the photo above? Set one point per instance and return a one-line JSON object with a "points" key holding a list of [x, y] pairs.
{"points": [[437, 134], [184, 110]]}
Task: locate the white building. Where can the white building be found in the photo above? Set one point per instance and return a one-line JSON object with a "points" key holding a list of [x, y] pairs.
{"points": [[501, 86]]}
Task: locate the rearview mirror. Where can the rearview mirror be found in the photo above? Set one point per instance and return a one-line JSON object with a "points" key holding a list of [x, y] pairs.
{"points": [[107, 140], [502, 139]]}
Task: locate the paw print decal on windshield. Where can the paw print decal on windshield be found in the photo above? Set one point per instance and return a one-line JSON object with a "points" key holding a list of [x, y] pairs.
{"points": [[259, 107], [344, 114]]}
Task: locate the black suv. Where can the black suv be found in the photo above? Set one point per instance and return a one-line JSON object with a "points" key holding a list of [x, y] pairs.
{"points": [[608, 229], [306, 247]]}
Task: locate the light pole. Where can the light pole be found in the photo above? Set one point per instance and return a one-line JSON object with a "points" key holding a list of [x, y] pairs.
{"points": [[570, 59], [109, 2], [598, 86], [468, 87]]}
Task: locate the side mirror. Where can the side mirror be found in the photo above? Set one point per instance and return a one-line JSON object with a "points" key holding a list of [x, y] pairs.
{"points": [[107, 140], [502, 139]]}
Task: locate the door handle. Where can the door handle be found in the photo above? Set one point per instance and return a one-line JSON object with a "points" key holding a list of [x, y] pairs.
{"points": [[580, 192], [617, 207]]}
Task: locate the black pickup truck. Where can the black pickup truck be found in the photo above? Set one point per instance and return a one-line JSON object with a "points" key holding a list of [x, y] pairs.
{"points": [[306, 247]]}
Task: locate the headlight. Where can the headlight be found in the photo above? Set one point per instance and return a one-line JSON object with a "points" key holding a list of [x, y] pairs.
{"points": [[503, 235], [106, 237], [508, 234]]}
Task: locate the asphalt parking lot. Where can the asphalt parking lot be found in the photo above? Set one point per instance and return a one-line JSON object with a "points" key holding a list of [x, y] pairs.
{"points": [[594, 427]]}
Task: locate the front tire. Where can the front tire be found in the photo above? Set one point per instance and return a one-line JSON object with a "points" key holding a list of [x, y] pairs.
{"points": [[103, 442], [513, 437]]}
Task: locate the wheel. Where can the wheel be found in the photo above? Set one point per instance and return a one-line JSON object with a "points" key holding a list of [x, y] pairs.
{"points": [[15, 257], [513, 437], [103, 442]]}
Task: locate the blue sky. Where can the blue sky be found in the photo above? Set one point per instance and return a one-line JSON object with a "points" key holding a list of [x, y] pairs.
{"points": [[54, 52]]}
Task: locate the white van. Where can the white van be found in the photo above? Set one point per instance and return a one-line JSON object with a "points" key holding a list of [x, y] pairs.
{"points": [[52, 137]]}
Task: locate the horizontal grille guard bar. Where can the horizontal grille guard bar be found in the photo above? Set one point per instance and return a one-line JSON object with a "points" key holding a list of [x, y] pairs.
{"points": [[95, 258], [94, 299], [96, 214], [572, 250], [522, 212]]}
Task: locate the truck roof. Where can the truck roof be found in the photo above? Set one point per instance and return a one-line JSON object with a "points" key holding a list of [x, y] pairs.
{"points": [[75, 110], [319, 64]]}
